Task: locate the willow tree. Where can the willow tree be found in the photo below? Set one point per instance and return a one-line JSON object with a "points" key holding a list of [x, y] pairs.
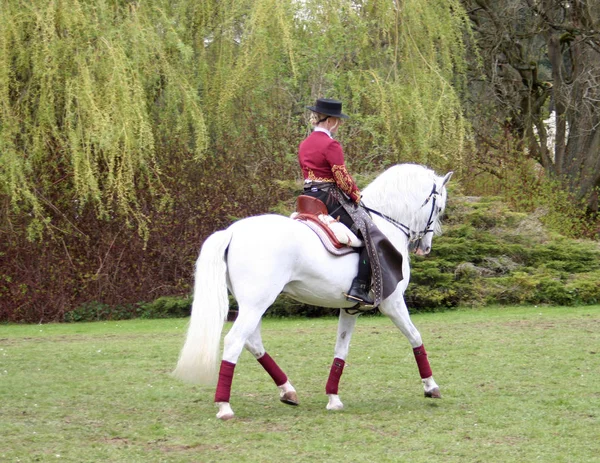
{"points": [[401, 66], [88, 89], [177, 116], [85, 89]]}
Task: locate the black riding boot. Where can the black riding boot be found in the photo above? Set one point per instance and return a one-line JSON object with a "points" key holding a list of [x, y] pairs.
{"points": [[359, 291]]}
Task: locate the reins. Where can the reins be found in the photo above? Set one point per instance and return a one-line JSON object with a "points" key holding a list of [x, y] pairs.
{"points": [[404, 228]]}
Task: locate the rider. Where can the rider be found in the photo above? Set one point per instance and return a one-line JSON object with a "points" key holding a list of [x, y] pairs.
{"points": [[322, 161]]}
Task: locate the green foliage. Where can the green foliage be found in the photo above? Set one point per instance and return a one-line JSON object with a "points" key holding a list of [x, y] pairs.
{"points": [[163, 307], [530, 190], [98, 96], [285, 307], [173, 118], [97, 311], [167, 307], [401, 67], [89, 86], [527, 190], [490, 255]]}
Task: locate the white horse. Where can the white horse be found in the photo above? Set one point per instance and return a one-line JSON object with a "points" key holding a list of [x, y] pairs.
{"points": [[258, 258]]}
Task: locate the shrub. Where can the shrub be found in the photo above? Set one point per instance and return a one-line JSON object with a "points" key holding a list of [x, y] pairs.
{"points": [[490, 255], [487, 255], [98, 311], [167, 307]]}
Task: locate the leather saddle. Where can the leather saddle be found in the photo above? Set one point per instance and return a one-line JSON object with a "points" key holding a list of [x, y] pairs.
{"points": [[313, 212]]}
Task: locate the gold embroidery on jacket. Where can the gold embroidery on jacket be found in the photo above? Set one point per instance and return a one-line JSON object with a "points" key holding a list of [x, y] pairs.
{"points": [[314, 178], [343, 179]]}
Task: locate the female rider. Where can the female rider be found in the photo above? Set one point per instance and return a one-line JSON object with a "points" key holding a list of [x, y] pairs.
{"points": [[322, 161]]}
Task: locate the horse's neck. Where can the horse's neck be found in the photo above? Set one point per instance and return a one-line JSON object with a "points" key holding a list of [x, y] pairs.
{"points": [[396, 235], [393, 232], [401, 198], [400, 206]]}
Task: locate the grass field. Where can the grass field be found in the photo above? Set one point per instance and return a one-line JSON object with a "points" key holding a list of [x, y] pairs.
{"points": [[519, 385]]}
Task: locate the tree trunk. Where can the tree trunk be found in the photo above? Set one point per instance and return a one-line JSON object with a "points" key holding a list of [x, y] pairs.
{"points": [[533, 50], [576, 91]]}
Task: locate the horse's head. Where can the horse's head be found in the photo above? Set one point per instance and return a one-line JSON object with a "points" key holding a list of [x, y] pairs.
{"points": [[426, 221], [412, 198]]}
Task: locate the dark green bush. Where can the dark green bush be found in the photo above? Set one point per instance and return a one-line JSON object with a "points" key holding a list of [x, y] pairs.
{"points": [[167, 307], [488, 255], [97, 311]]}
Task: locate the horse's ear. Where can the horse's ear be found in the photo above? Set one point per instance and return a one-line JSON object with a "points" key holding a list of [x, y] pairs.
{"points": [[447, 178]]}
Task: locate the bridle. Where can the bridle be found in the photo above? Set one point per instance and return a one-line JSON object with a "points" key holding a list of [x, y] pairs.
{"points": [[413, 237]]}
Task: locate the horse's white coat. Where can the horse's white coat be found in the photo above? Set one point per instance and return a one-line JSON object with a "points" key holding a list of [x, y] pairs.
{"points": [[270, 254]]}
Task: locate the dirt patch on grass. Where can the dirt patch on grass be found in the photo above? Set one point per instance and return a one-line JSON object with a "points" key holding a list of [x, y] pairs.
{"points": [[118, 441], [167, 448]]}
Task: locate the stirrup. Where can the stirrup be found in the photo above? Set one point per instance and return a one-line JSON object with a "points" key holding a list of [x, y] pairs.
{"points": [[358, 293], [360, 301]]}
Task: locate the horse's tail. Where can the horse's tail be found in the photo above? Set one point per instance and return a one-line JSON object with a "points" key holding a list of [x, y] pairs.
{"points": [[199, 355]]}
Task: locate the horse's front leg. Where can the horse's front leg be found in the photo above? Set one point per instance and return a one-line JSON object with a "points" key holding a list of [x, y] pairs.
{"points": [[287, 393], [346, 326], [395, 308]]}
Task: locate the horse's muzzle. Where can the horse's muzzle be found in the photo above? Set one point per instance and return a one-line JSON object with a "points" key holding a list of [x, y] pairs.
{"points": [[422, 252]]}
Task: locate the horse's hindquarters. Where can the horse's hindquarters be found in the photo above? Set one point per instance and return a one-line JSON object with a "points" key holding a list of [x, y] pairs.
{"points": [[271, 254]]}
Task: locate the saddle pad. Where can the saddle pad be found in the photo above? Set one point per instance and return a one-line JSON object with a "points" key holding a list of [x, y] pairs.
{"points": [[326, 240]]}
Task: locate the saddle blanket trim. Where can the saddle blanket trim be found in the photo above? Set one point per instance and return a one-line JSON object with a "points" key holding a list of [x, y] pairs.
{"points": [[326, 240]]}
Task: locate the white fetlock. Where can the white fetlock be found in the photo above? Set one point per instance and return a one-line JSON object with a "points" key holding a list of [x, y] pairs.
{"points": [[429, 383], [334, 402], [225, 411], [286, 387], [287, 394], [431, 389]]}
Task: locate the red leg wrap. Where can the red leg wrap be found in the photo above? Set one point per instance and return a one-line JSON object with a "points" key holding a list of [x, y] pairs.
{"points": [[273, 369], [422, 362], [337, 368], [225, 378]]}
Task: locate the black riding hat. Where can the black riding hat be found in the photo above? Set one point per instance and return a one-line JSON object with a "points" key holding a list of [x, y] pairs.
{"points": [[328, 107]]}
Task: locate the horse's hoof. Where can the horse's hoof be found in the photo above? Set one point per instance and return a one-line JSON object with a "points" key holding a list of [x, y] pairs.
{"points": [[335, 407], [289, 398], [434, 393], [335, 404], [225, 411]]}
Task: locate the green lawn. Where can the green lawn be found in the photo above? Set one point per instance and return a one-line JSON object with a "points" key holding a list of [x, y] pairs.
{"points": [[519, 385]]}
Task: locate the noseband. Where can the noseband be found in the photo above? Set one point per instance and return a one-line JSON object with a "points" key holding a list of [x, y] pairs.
{"points": [[413, 237]]}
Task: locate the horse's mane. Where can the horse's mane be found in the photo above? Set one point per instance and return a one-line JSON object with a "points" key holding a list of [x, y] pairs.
{"points": [[400, 192]]}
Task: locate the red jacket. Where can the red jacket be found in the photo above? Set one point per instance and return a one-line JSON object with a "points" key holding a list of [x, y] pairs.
{"points": [[322, 160]]}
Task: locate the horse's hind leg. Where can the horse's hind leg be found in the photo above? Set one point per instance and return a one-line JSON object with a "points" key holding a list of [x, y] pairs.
{"points": [[346, 326], [398, 313], [242, 329], [287, 393]]}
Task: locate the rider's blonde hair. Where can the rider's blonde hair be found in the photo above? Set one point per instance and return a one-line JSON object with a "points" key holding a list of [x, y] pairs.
{"points": [[316, 117]]}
